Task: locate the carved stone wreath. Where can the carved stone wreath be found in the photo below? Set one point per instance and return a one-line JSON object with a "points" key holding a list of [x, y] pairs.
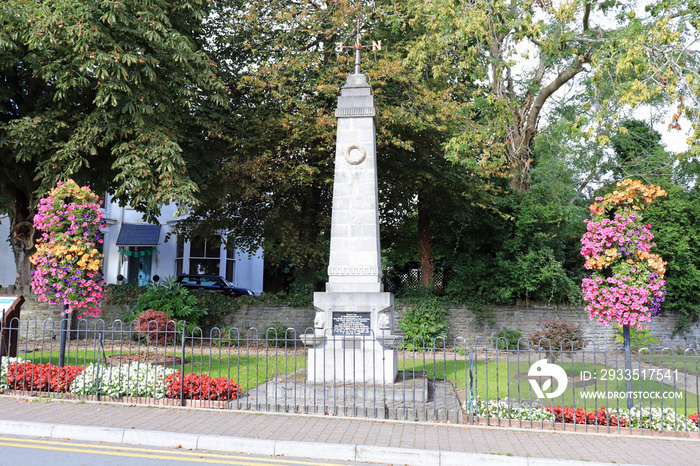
{"points": [[356, 156]]}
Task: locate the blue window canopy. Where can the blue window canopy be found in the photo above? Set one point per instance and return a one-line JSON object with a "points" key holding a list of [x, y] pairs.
{"points": [[138, 235]]}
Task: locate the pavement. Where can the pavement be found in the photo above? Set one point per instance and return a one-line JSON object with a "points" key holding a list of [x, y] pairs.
{"points": [[333, 438]]}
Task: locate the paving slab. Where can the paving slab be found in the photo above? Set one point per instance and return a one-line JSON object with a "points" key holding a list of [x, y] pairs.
{"points": [[334, 437]]}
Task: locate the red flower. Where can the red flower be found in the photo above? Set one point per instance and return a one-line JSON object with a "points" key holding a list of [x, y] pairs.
{"points": [[695, 418], [569, 415], [41, 377], [201, 387]]}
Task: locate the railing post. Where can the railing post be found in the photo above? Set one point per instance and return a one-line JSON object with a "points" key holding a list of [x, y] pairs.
{"points": [[5, 353], [628, 364], [182, 365], [64, 331], [470, 393], [98, 378]]}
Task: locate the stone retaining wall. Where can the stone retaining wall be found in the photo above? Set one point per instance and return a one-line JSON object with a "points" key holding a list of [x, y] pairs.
{"points": [[527, 319], [263, 317], [461, 320]]}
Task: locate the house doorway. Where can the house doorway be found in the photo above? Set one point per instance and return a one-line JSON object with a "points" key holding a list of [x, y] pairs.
{"points": [[139, 265]]}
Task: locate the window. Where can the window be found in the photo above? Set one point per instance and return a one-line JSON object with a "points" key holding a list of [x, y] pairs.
{"points": [[230, 264], [179, 256], [205, 257]]}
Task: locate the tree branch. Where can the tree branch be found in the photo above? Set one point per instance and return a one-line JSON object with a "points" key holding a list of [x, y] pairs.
{"points": [[583, 185], [551, 88]]}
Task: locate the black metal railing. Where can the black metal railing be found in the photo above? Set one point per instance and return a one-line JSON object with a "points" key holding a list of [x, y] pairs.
{"points": [[477, 382]]}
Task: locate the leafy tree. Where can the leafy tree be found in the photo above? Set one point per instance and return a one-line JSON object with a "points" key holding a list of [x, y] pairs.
{"points": [[609, 57], [273, 183], [635, 151], [274, 187], [639, 152], [526, 247], [458, 83], [420, 189], [676, 219], [116, 93]]}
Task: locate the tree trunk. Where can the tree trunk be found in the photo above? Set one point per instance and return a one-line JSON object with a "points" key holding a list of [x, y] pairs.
{"points": [[526, 117], [425, 245], [22, 236], [23, 277]]}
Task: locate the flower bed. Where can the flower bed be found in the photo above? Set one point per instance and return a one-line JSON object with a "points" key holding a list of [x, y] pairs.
{"points": [[504, 410], [640, 417], [658, 419], [28, 376], [4, 370], [140, 380]]}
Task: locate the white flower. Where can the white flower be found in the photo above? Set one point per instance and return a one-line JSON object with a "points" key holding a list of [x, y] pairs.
{"points": [[639, 417], [137, 379], [4, 368]]}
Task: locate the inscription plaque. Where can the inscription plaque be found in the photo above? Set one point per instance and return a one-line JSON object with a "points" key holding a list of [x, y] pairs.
{"points": [[351, 323]]}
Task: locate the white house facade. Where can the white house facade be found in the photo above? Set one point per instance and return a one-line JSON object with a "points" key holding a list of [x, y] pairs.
{"points": [[8, 271], [137, 252]]}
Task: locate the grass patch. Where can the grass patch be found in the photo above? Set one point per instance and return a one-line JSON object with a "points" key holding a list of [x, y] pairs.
{"points": [[689, 363], [248, 370], [508, 379]]}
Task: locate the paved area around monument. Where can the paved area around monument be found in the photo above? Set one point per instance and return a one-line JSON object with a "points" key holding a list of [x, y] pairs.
{"points": [[333, 438]]}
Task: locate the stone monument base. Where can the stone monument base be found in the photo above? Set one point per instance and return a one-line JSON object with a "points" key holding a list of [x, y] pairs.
{"points": [[353, 339], [349, 360], [413, 396]]}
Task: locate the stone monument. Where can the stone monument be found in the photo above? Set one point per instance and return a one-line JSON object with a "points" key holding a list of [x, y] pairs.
{"points": [[353, 339]]}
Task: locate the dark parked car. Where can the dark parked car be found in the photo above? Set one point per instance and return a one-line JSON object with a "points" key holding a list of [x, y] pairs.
{"points": [[213, 283]]}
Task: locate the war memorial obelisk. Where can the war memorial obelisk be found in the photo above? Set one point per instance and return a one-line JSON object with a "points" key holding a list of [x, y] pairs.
{"points": [[353, 339]]}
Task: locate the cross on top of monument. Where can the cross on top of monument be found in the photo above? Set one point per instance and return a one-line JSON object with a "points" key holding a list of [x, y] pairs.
{"points": [[376, 46]]}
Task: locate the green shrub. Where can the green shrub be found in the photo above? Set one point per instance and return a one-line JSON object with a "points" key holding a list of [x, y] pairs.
{"points": [[508, 339], [217, 307], [123, 294], [174, 300], [424, 324]]}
